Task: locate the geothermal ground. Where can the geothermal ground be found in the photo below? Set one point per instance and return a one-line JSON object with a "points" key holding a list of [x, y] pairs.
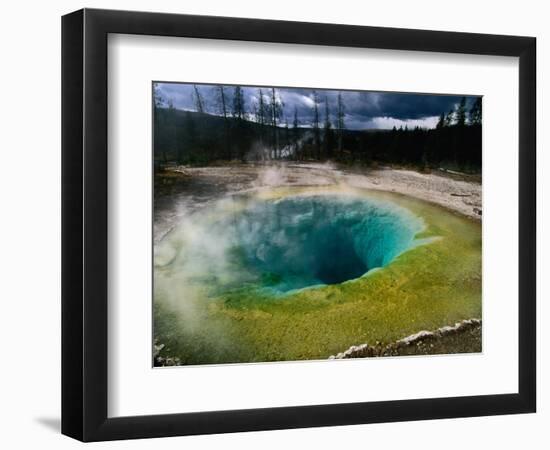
{"points": [[205, 314], [184, 189]]}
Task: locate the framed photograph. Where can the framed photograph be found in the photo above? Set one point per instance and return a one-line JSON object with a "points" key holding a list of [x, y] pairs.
{"points": [[273, 224]]}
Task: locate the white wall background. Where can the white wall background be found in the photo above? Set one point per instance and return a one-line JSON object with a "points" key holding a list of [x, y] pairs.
{"points": [[30, 226]]}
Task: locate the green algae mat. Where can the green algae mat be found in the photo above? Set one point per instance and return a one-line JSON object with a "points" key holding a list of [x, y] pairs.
{"points": [[305, 273]]}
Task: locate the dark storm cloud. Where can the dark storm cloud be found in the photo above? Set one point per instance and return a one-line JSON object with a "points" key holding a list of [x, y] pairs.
{"points": [[362, 109]]}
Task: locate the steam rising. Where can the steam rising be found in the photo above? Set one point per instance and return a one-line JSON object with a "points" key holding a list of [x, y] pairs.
{"points": [[273, 245]]}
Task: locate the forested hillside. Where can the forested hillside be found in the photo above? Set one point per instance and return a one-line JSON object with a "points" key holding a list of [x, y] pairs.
{"points": [[232, 133]]}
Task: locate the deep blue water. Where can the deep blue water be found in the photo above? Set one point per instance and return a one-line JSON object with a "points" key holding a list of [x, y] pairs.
{"points": [[325, 239]]}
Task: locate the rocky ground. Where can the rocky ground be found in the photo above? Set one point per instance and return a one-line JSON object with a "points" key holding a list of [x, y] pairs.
{"points": [[463, 337]]}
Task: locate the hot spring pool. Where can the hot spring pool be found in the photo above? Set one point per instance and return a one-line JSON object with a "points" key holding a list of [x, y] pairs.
{"points": [[289, 243], [305, 241]]}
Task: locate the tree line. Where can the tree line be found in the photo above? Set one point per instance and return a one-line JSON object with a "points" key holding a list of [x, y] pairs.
{"points": [[229, 129]]}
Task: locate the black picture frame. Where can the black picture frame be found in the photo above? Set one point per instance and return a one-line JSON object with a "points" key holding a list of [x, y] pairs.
{"points": [[84, 224]]}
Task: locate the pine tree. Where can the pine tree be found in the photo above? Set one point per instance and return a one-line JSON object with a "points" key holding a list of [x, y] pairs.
{"points": [[159, 120], [222, 103], [295, 133], [287, 136], [475, 112], [461, 113], [327, 131], [441, 122], [449, 118], [340, 123], [261, 112], [199, 101], [261, 118], [157, 96], [275, 112], [315, 124], [238, 103]]}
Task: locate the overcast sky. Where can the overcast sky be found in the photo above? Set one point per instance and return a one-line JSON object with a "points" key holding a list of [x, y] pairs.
{"points": [[363, 110]]}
